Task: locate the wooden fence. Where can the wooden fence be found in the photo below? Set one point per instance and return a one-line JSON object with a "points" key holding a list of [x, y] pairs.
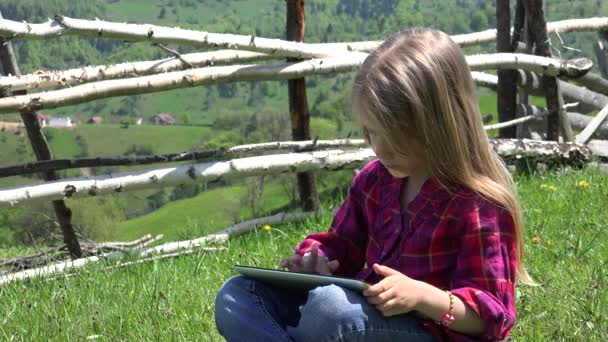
{"points": [[530, 74]]}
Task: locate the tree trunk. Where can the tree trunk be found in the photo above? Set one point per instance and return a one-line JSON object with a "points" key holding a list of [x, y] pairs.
{"points": [[42, 151], [298, 106]]}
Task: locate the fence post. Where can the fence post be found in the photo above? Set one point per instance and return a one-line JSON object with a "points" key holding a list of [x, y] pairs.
{"points": [[602, 60], [41, 150], [506, 89], [537, 28], [298, 106]]}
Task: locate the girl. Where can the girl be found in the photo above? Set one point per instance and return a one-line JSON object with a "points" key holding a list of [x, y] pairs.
{"points": [[433, 223]]}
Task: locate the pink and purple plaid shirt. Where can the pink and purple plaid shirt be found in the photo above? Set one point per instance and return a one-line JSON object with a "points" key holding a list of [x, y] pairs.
{"points": [[453, 239]]}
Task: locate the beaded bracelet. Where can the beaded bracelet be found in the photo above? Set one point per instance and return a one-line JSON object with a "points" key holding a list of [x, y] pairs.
{"points": [[448, 317]]}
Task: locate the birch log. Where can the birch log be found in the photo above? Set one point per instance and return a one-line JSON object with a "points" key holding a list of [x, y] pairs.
{"points": [[179, 79], [569, 25], [279, 48], [200, 76], [595, 123], [541, 151], [165, 249], [508, 149], [573, 68], [72, 77], [229, 232], [588, 100], [186, 174], [215, 154]]}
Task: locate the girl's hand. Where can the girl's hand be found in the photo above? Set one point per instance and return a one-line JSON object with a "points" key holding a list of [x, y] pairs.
{"points": [[396, 293], [310, 263]]}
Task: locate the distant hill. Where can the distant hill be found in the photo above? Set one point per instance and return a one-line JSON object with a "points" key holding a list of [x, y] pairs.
{"points": [[327, 20]]}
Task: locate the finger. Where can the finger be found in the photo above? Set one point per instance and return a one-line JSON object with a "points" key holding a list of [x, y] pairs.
{"points": [[382, 297], [333, 265], [375, 290], [322, 269], [385, 271], [386, 307]]}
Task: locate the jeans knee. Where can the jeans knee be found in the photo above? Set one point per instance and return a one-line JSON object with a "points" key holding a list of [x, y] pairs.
{"points": [[328, 311], [226, 304]]}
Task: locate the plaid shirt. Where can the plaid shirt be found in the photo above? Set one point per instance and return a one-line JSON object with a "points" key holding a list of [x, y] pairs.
{"points": [[450, 238]]}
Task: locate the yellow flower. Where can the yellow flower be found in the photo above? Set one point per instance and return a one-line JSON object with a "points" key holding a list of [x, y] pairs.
{"points": [[548, 187], [583, 184], [536, 240], [266, 227]]}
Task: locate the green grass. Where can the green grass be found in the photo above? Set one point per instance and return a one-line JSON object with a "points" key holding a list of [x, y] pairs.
{"points": [[203, 214], [566, 251], [104, 140]]}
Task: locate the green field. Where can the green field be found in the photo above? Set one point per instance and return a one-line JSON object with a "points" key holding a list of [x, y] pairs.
{"points": [[566, 246]]}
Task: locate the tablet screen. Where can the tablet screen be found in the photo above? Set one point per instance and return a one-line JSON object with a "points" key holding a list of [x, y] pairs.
{"points": [[298, 281]]}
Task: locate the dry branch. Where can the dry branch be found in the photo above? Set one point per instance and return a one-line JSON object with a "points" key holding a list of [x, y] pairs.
{"points": [[551, 152], [230, 232], [187, 174], [167, 35], [200, 76], [215, 154], [255, 166], [595, 123], [599, 148], [163, 251], [71, 77], [543, 65], [53, 254], [588, 100], [179, 79], [570, 25]]}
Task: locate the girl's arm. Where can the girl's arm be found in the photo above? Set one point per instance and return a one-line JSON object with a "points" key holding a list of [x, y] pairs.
{"points": [[434, 303], [398, 293]]}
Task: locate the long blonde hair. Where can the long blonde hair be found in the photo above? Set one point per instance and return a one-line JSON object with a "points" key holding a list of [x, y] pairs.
{"points": [[418, 90]]}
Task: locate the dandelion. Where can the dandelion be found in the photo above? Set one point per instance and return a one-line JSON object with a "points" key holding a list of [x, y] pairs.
{"points": [[548, 187], [583, 184], [266, 227], [536, 240]]}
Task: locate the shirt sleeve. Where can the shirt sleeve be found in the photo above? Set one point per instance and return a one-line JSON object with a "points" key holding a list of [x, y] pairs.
{"points": [[346, 240], [484, 278]]}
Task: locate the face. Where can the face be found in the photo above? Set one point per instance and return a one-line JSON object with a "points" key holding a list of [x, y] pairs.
{"points": [[398, 165]]}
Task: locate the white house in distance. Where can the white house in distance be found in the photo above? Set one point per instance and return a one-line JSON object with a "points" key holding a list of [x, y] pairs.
{"points": [[41, 119], [59, 122]]}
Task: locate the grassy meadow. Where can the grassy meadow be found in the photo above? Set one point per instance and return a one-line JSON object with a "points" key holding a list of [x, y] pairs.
{"points": [[566, 246]]}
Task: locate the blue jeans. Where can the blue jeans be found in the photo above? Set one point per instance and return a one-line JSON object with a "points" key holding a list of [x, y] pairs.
{"points": [[248, 310]]}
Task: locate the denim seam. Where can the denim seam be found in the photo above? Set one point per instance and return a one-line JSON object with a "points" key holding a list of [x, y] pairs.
{"points": [[413, 333], [260, 304]]}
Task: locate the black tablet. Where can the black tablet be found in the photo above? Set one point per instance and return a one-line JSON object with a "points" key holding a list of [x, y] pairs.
{"points": [[297, 280]]}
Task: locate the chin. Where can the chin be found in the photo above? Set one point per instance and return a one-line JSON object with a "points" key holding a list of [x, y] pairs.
{"points": [[396, 173]]}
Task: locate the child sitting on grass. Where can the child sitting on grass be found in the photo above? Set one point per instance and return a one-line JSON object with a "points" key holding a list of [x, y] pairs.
{"points": [[434, 223]]}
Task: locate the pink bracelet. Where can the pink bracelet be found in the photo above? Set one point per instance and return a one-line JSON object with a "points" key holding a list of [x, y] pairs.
{"points": [[448, 317]]}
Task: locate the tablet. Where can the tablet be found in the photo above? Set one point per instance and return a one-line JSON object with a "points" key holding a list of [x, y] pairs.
{"points": [[298, 281]]}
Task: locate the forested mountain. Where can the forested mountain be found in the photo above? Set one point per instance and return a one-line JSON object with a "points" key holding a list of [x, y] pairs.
{"points": [[326, 21]]}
